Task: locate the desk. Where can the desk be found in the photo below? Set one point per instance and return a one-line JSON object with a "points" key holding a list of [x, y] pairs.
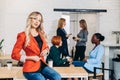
{"points": [[65, 72], [72, 72], [5, 57], [5, 73]]}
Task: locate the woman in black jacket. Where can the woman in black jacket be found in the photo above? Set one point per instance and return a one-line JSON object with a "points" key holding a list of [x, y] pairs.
{"points": [[63, 34]]}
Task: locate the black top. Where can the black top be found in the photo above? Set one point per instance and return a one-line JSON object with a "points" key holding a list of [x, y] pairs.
{"points": [[64, 48], [40, 43]]}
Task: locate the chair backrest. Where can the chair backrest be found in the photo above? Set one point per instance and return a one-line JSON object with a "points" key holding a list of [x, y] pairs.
{"points": [[103, 69], [94, 75]]}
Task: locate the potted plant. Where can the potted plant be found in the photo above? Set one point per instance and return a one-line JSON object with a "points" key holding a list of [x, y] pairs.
{"points": [[1, 43], [1, 46]]}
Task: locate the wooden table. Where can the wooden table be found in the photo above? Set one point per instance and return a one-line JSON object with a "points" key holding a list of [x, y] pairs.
{"points": [[65, 72], [5, 73], [5, 57], [72, 72]]}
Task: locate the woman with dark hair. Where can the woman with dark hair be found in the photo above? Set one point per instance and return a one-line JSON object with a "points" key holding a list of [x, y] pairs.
{"points": [[95, 55]]}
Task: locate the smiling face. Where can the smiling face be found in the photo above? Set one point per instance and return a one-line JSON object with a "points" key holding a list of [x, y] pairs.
{"points": [[36, 21]]}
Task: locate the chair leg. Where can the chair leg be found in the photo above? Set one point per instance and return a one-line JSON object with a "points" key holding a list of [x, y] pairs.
{"points": [[103, 77], [89, 78]]}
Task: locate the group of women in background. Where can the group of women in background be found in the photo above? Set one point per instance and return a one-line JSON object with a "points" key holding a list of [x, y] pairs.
{"points": [[34, 42]]}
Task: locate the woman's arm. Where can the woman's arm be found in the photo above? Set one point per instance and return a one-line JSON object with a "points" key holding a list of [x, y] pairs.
{"points": [[18, 47], [68, 35], [44, 52], [98, 57], [34, 58]]}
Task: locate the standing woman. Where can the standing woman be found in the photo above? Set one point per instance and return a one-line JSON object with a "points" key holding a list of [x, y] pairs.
{"points": [[81, 40], [33, 42], [63, 34]]}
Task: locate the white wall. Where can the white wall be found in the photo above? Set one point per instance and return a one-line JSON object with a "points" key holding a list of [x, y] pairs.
{"points": [[111, 21], [13, 14]]}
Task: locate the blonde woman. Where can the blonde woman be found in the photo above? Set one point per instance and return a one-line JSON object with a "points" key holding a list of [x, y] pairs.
{"points": [[63, 34], [33, 42], [81, 40]]}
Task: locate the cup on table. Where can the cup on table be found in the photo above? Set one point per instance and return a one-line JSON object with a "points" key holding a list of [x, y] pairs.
{"points": [[9, 65], [50, 63], [69, 59]]}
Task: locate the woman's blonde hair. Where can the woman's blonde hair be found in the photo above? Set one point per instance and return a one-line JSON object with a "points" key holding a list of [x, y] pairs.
{"points": [[84, 24], [61, 22], [28, 26]]}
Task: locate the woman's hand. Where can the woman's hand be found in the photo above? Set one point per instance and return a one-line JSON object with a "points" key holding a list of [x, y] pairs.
{"points": [[84, 60], [76, 38], [44, 52], [68, 35], [69, 59], [34, 58]]}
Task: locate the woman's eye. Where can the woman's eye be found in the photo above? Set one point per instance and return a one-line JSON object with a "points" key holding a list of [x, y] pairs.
{"points": [[35, 18]]}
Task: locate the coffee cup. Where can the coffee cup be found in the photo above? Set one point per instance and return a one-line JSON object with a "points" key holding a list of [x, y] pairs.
{"points": [[67, 57], [50, 63], [9, 65]]}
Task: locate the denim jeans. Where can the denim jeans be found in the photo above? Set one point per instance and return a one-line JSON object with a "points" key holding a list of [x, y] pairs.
{"points": [[46, 73], [78, 63], [81, 64]]}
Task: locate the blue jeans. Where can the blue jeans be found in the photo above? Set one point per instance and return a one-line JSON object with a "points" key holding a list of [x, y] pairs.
{"points": [[78, 63], [46, 73], [81, 64]]}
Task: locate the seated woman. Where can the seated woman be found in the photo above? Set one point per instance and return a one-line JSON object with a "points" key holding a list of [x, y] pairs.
{"points": [[55, 53], [95, 56]]}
